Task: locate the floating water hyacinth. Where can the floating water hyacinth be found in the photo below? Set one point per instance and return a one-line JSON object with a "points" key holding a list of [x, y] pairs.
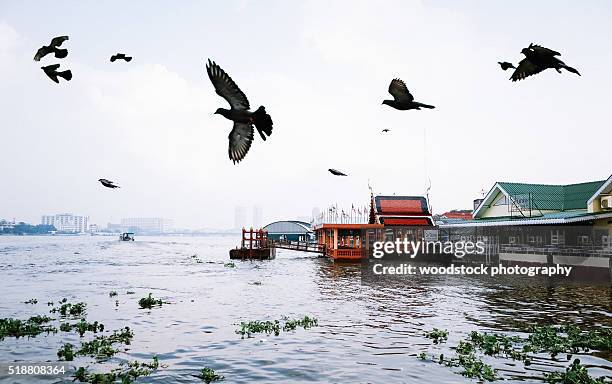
{"points": [[269, 327], [437, 335], [102, 347], [149, 302], [553, 340], [208, 375], [126, 373], [25, 328], [576, 373], [82, 327], [66, 352], [69, 309], [112, 293]]}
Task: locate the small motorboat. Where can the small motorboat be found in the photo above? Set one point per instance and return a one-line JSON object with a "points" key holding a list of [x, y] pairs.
{"points": [[126, 236]]}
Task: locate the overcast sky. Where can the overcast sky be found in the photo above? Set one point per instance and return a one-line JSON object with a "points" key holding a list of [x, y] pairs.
{"points": [[321, 69]]}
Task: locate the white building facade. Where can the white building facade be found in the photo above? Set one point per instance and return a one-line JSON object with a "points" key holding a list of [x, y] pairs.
{"points": [[67, 222]]}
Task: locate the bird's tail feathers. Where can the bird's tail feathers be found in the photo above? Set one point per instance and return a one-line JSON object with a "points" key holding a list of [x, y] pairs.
{"points": [[263, 122], [67, 74], [60, 53], [572, 70], [421, 105]]}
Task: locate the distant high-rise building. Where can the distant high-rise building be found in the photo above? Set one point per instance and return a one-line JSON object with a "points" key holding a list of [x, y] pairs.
{"points": [[153, 225], [67, 222], [315, 213], [240, 214], [257, 216]]}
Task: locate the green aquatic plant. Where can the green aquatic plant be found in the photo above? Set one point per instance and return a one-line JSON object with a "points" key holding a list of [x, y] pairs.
{"points": [[208, 375], [82, 327], [553, 340], [437, 335], [31, 327], [306, 322], [112, 293], [259, 327], [31, 301], [499, 345], [102, 347], [576, 373], [126, 373], [50, 304], [149, 302], [66, 352], [568, 339], [269, 327], [230, 265], [83, 376], [69, 309], [130, 371], [473, 367]]}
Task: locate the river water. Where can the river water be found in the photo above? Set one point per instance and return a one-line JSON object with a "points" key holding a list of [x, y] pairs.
{"points": [[368, 332]]}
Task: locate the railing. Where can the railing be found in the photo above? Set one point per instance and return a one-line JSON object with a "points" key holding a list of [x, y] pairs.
{"points": [[354, 253], [298, 245], [558, 250]]}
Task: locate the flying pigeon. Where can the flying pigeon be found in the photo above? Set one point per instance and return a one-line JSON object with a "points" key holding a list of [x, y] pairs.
{"points": [[335, 172], [537, 59], [402, 98], [120, 56], [241, 136], [53, 73], [505, 65], [385, 130], [47, 49], [108, 183]]}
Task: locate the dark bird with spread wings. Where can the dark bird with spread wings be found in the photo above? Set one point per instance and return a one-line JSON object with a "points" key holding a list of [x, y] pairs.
{"points": [[120, 56], [402, 98], [108, 183], [241, 136], [335, 172], [505, 65], [386, 130], [537, 59], [53, 73], [53, 47]]}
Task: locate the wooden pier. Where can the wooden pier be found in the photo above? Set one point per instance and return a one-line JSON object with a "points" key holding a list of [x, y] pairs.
{"points": [[256, 245], [301, 246]]}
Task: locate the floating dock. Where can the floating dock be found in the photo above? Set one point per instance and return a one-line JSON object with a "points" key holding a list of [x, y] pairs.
{"points": [[255, 245]]}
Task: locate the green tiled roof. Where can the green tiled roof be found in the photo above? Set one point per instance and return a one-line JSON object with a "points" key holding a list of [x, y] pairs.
{"points": [[555, 197]]}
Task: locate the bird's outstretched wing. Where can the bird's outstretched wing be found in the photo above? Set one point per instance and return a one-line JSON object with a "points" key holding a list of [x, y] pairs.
{"points": [[57, 41], [42, 52], [525, 68], [336, 172], [543, 50], [399, 91], [226, 88], [240, 139]]}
